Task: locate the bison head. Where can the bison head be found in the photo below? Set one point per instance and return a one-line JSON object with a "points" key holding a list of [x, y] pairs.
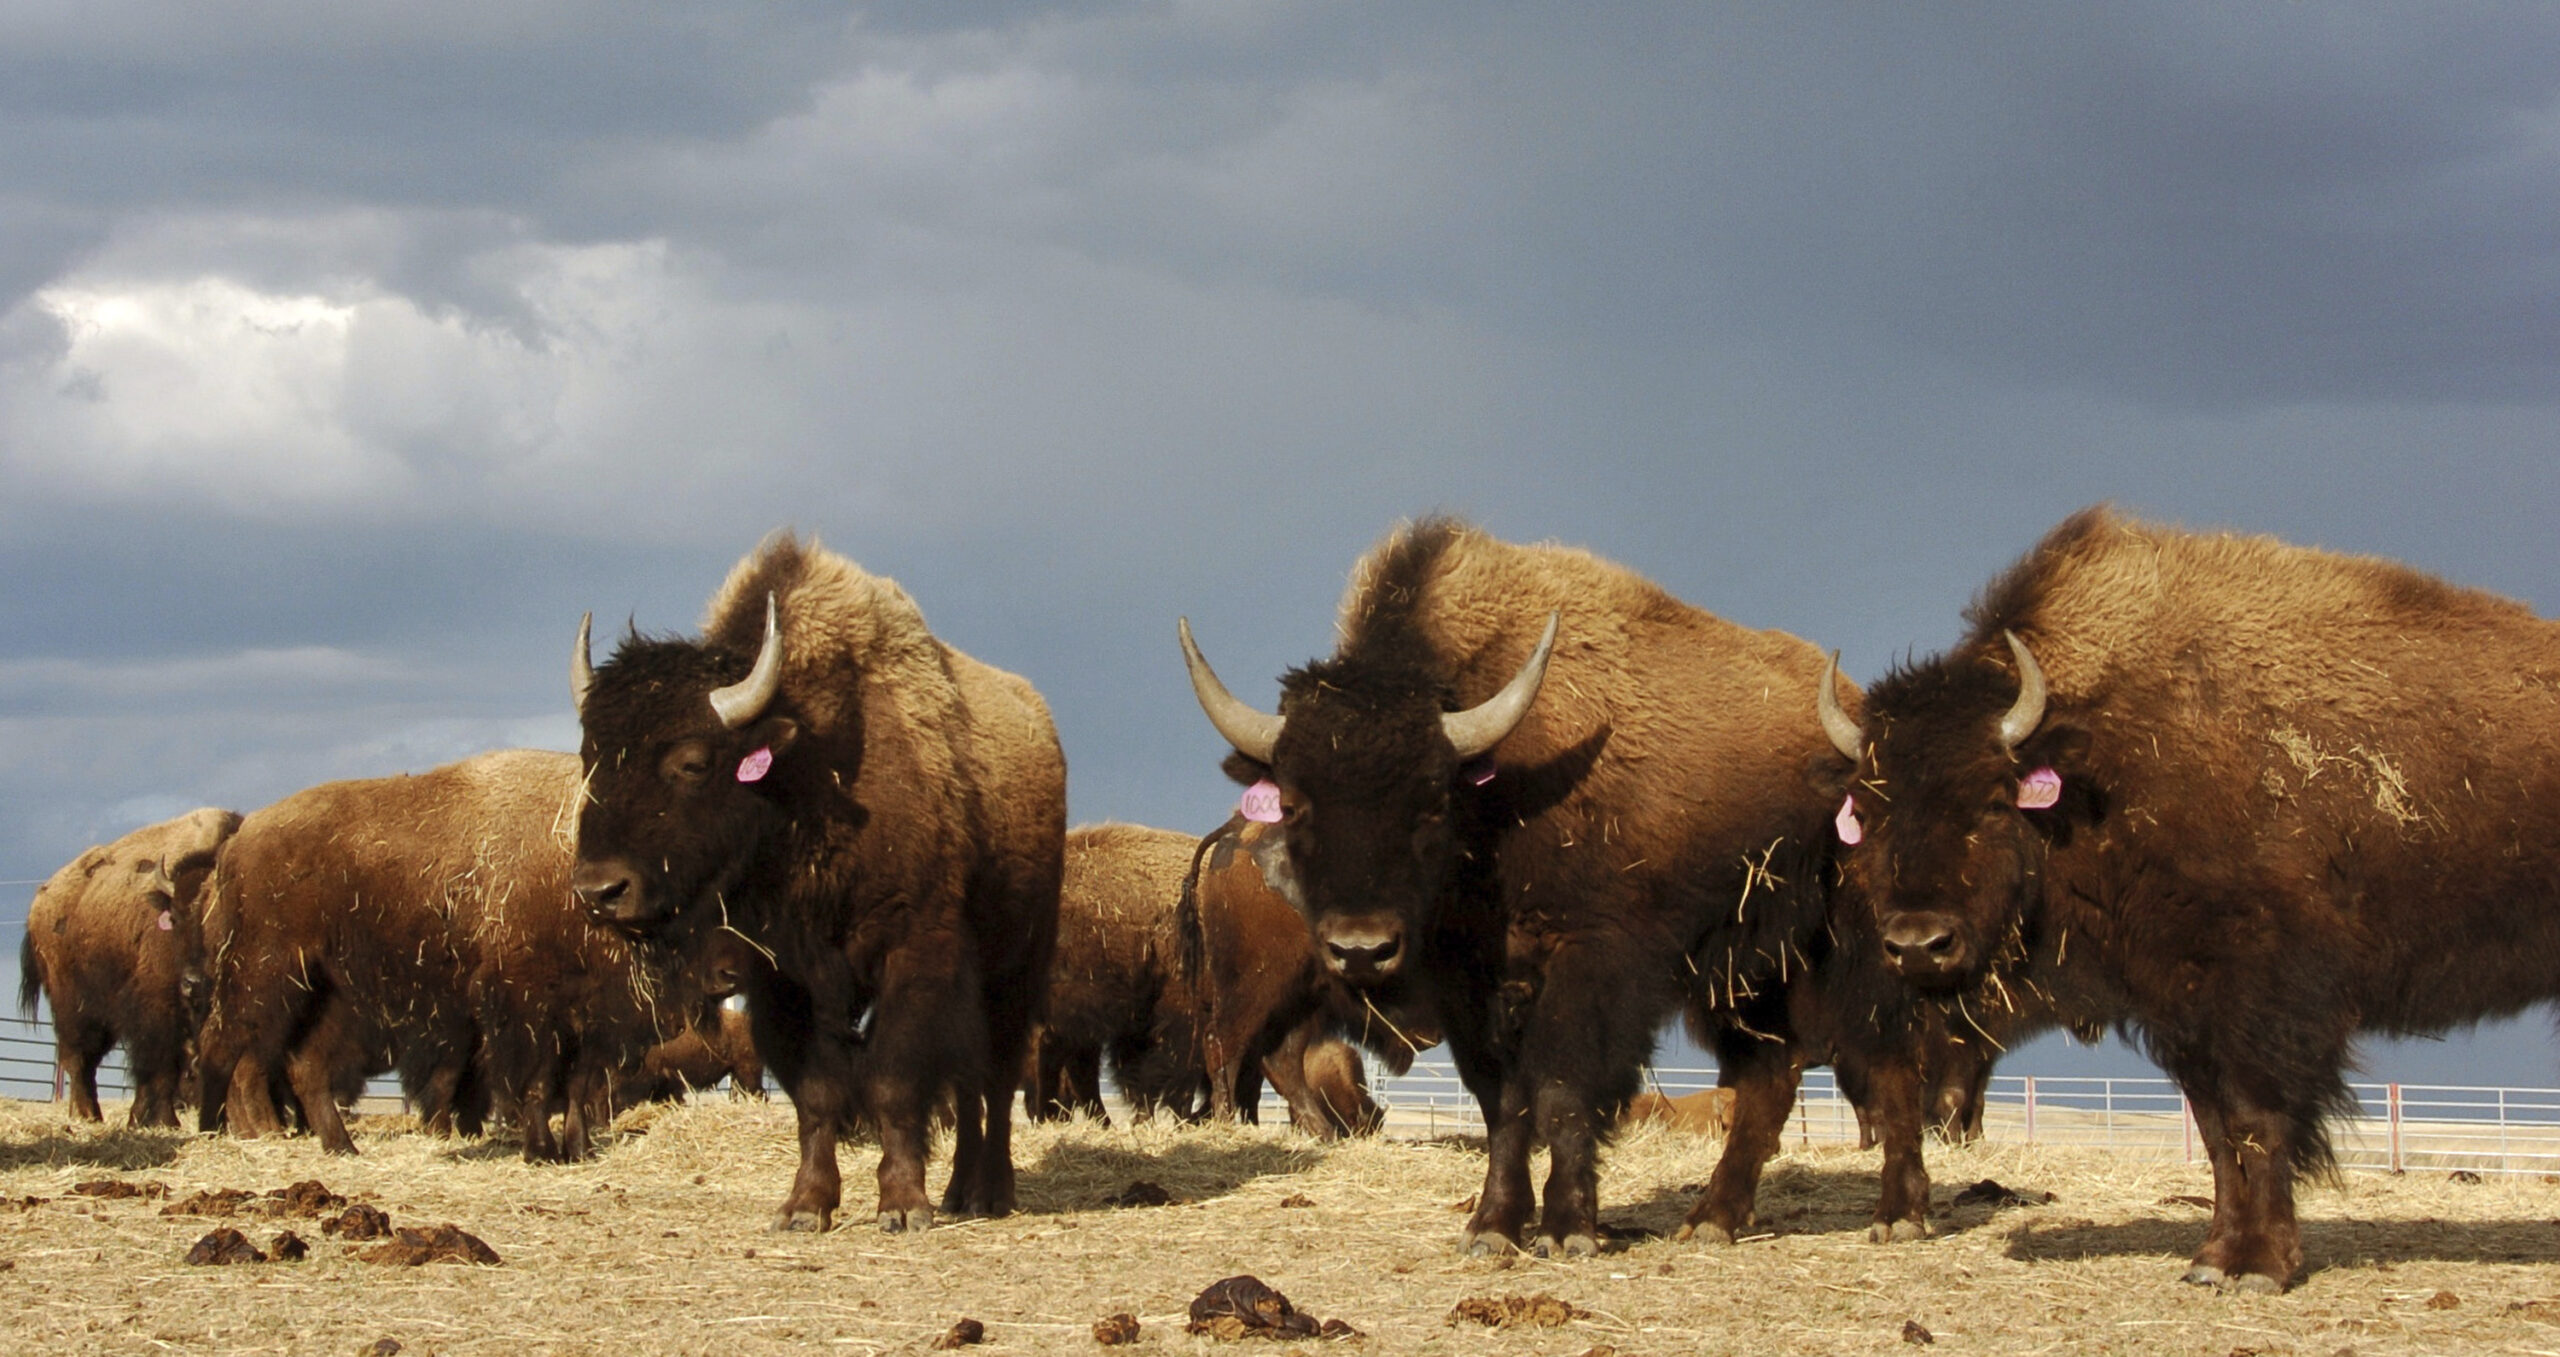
{"points": [[1962, 784], [1366, 761], [682, 754]]}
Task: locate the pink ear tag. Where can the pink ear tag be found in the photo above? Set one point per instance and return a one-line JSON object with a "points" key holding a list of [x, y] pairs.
{"points": [[753, 767], [1847, 822], [165, 925], [1261, 803], [2039, 790]]}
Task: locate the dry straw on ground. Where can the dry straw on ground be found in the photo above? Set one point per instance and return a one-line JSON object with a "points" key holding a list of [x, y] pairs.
{"points": [[660, 1246]]}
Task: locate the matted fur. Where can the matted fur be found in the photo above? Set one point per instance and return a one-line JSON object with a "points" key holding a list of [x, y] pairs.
{"points": [[1115, 988], [1652, 839], [421, 923], [105, 957], [896, 867], [2305, 794]]}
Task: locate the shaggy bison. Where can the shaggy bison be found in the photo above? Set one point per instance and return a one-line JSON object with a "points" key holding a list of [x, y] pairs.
{"points": [[881, 815], [2241, 798], [103, 953], [1537, 793], [421, 923]]}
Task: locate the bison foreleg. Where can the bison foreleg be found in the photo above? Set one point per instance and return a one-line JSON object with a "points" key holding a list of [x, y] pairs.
{"points": [[1892, 1107], [1502, 1208], [1763, 1076], [2255, 1243]]}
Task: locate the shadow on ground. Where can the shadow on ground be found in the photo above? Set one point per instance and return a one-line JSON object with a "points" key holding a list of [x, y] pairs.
{"points": [[1798, 1199], [2325, 1243], [121, 1148], [1084, 1176]]}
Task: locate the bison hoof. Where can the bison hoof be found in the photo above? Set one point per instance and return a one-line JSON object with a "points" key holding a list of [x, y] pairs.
{"points": [[2247, 1283], [1485, 1244], [1571, 1246], [803, 1221], [1897, 1231], [913, 1220]]}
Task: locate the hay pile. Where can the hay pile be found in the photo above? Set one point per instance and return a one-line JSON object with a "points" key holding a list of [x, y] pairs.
{"points": [[660, 1246]]}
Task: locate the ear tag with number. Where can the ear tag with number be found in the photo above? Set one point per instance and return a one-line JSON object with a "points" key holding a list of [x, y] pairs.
{"points": [[2039, 790], [753, 767], [1847, 822], [1261, 803]]}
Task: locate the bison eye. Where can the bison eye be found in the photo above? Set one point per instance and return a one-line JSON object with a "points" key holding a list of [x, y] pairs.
{"points": [[687, 762]]}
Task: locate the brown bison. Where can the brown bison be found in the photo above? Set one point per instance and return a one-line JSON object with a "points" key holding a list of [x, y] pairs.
{"points": [[2240, 798], [1136, 979], [1266, 1002], [879, 814], [1114, 987], [421, 923], [1537, 793], [103, 953], [718, 1045]]}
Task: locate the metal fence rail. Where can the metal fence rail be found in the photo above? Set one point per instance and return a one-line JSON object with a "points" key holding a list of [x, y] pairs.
{"points": [[2399, 1126]]}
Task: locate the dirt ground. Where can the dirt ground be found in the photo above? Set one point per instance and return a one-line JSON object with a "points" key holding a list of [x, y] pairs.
{"points": [[660, 1246]]}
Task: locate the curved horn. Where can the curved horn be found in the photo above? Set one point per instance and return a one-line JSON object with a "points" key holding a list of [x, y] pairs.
{"points": [[582, 665], [1844, 733], [1252, 732], [746, 699], [2028, 713], [1483, 725]]}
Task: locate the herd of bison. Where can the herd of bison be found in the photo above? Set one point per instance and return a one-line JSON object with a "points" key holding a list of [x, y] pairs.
{"points": [[2235, 799]]}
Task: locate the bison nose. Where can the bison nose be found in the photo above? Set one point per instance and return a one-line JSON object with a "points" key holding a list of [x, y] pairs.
{"points": [[1924, 946], [609, 892], [1364, 956]]}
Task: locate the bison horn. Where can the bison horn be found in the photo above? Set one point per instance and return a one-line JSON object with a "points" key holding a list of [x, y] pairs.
{"points": [[746, 699], [1253, 733], [1844, 733], [2028, 712], [582, 665], [1484, 725]]}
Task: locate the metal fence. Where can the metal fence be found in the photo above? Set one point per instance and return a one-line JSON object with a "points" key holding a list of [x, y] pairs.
{"points": [[2400, 1126]]}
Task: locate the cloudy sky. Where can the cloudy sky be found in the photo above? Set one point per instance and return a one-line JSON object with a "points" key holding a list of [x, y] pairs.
{"points": [[349, 352]]}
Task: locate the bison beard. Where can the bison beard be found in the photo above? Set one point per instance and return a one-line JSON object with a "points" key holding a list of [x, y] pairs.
{"points": [[1556, 862], [880, 816], [2241, 798]]}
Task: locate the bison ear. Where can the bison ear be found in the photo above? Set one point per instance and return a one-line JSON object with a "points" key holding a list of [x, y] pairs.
{"points": [[773, 734], [2063, 747], [1829, 775], [1245, 771]]}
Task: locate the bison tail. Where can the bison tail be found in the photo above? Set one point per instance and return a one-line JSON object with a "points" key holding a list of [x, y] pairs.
{"points": [[30, 978]]}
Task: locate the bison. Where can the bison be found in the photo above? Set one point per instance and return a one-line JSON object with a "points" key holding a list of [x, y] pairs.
{"points": [[1266, 1002], [103, 953], [882, 816], [1114, 987], [2239, 798], [1538, 794], [424, 923], [718, 1045]]}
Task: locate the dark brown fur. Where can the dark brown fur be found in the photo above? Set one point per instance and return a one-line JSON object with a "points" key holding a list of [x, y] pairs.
{"points": [[899, 863], [103, 954], [1652, 839], [2305, 795], [719, 1046]]}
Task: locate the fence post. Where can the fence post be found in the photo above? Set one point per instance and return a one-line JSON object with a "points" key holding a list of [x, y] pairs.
{"points": [[2031, 1109], [2392, 1100]]}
